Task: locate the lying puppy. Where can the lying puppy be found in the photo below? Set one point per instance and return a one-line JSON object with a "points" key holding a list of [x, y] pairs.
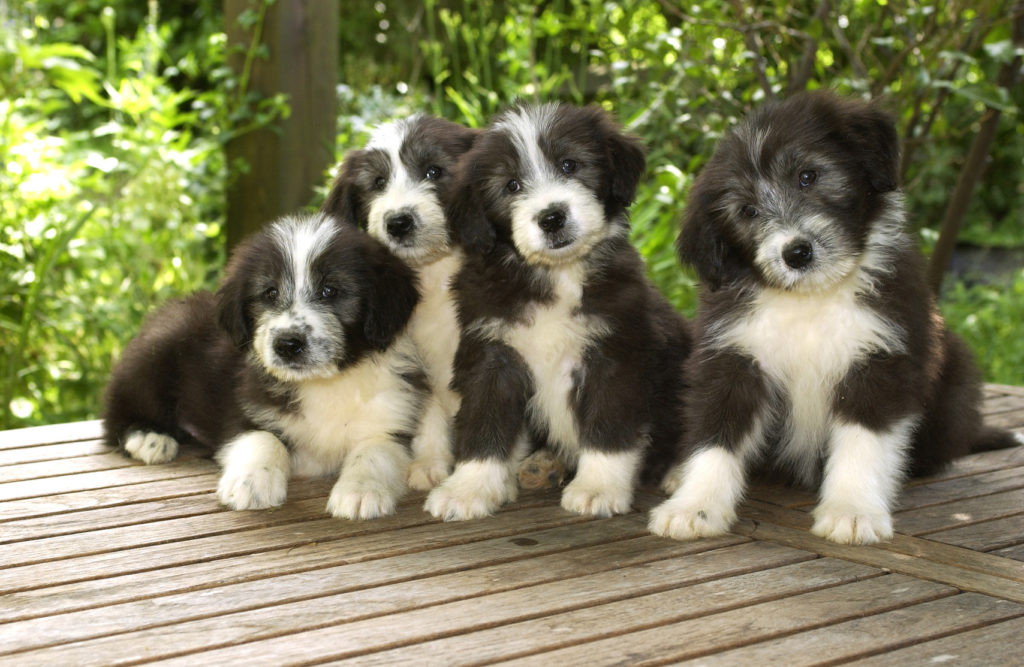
{"points": [[396, 189], [298, 365], [820, 348], [563, 340]]}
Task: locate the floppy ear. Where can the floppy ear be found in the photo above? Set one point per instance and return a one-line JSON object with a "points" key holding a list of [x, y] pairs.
{"points": [[876, 142], [343, 200], [627, 165], [465, 213], [231, 311], [700, 242], [391, 297]]}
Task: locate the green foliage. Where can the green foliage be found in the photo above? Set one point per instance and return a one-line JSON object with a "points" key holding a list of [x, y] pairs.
{"points": [[989, 317]]}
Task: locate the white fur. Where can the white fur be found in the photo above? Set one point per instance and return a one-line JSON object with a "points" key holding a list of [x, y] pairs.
{"points": [[150, 447], [372, 480], [863, 474], [604, 483], [255, 471], [476, 489], [584, 221]]}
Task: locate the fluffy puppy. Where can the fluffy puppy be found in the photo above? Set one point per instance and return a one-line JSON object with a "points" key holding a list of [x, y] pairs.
{"points": [[563, 339], [396, 188], [820, 350], [298, 365]]}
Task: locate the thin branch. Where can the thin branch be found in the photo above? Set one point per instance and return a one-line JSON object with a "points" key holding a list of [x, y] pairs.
{"points": [[804, 70]]}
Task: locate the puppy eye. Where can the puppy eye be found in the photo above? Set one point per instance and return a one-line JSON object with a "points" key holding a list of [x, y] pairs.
{"points": [[380, 182], [328, 292], [569, 166], [270, 294], [748, 211], [513, 186], [433, 173], [807, 177]]}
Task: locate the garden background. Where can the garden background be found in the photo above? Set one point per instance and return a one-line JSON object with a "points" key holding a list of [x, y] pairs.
{"points": [[114, 117]]}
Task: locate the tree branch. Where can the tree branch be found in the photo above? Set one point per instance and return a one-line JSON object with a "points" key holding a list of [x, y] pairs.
{"points": [[805, 69]]}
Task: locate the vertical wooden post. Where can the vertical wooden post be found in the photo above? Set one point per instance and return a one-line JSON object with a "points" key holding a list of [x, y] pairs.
{"points": [[284, 162]]}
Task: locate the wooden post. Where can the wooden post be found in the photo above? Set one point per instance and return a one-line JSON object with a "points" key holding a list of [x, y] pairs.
{"points": [[283, 163]]}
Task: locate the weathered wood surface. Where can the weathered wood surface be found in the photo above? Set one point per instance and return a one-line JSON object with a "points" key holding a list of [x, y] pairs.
{"points": [[104, 561]]}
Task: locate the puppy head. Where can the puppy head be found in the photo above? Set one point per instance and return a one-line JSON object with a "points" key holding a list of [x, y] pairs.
{"points": [[552, 181], [309, 296], [791, 194], [396, 187]]}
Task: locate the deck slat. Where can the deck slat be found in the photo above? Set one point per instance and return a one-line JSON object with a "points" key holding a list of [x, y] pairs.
{"points": [[965, 512], [995, 644]]}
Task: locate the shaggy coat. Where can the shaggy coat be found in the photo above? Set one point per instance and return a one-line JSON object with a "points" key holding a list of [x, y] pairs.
{"points": [[820, 351], [298, 365], [563, 339]]}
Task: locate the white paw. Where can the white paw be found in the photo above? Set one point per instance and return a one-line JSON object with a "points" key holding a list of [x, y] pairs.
{"points": [[252, 489], [150, 447], [362, 500], [425, 474], [850, 525], [476, 489], [583, 498], [673, 479], [682, 520]]}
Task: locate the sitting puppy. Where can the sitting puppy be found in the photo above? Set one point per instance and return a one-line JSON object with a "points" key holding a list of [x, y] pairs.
{"points": [[298, 365], [396, 188], [563, 339], [820, 348]]}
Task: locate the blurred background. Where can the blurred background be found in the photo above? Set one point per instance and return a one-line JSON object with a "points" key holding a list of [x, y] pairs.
{"points": [[139, 140]]}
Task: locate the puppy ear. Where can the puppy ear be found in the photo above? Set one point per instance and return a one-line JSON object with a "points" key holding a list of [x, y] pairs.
{"points": [[464, 210], [700, 242], [391, 296], [231, 310], [627, 164], [343, 200], [876, 142]]}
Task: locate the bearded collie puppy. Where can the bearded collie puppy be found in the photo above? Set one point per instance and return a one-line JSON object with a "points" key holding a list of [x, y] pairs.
{"points": [[396, 189], [820, 351], [563, 339], [297, 366]]}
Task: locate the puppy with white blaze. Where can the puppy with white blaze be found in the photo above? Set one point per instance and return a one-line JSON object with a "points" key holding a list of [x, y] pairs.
{"points": [[299, 365], [396, 188], [563, 339], [820, 352]]}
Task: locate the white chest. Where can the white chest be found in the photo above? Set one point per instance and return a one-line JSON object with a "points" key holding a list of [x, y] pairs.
{"points": [[434, 327]]}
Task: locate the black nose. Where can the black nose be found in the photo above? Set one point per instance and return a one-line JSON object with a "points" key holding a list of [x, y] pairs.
{"points": [[288, 348], [552, 221], [399, 224], [797, 254]]}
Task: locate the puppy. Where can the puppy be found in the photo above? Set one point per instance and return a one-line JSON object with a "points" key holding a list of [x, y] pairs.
{"points": [[563, 339], [396, 189], [820, 350], [298, 365]]}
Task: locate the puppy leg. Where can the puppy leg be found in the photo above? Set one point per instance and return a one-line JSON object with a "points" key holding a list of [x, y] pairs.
{"points": [[151, 447], [604, 483], [712, 482], [256, 469], [431, 448], [862, 477], [373, 479]]}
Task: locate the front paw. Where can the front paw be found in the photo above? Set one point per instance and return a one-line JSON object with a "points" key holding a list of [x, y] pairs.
{"points": [[253, 489], [361, 500], [596, 500], [425, 474], [683, 520], [846, 524], [476, 489], [151, 447]]}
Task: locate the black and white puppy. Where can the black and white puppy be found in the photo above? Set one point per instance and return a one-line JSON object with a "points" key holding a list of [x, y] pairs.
{"points": [[820, 350], [299, 365], [563, 339], [396, 188]]}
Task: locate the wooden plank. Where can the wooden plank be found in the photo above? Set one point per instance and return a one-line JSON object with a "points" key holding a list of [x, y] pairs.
{"points": [[61, 503], [380, 618], [698, 605], [965, 569], [950, 490], [420, 531], [986, 536], [996, 644], [1015, 552], [704, 636], [70, 466], [1012, 420], [1001, 403], [960, 512], [292, 600], [363, 562], [1004, 389], [45, 435], [55, 452], [859, 637]]}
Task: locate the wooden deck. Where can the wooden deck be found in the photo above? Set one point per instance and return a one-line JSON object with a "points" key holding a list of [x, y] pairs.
{"points": [[104, 561]]}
